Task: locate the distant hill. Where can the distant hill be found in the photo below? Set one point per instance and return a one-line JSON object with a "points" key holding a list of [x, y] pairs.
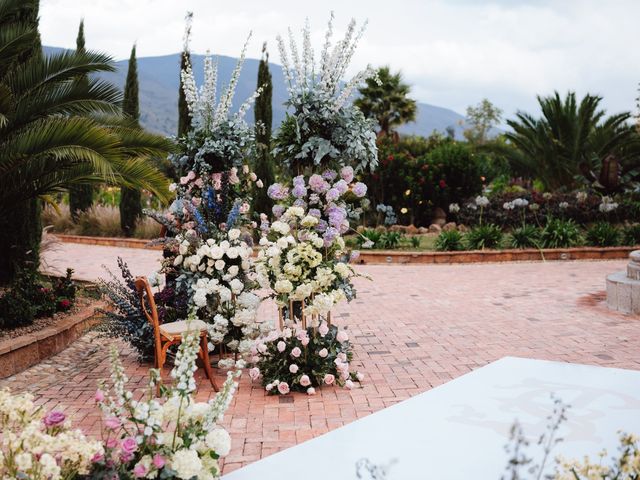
{"points": [[159, 79]]}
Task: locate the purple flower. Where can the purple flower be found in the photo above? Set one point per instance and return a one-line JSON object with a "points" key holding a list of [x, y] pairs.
{"points": [[298, 181], [329, 236], [314, 212], [318, 184], [277, 210], [299, 203], [333, 194], [277, 192], [299, 191], [347, 174], [314, 199], [321, 226], [336, 215], [359, 190], [330, 175], [341, 186], [355, 255], [54, 418]]}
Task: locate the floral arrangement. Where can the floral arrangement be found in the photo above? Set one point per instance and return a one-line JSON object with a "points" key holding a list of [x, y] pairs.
{"points": [[324, 128], [172, 436], [303, 261], [217, 278], [36, 445], [299, 359]]}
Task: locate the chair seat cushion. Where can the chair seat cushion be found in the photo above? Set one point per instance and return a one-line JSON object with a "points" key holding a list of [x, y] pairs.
{"points": [[182, 326]]}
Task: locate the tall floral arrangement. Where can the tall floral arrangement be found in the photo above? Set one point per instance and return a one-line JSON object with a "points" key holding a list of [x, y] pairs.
{"points": [[170, 436], [324, 128], [208, 258]]}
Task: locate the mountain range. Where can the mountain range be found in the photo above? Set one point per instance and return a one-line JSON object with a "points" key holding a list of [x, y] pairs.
{"points": [[158, 79]]}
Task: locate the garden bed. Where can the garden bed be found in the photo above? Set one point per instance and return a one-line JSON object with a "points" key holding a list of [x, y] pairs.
{"points": [[108, 241], [45, 338], [381, 257]]}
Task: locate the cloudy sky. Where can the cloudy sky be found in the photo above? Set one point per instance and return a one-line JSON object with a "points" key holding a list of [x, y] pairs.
{"points": [[453, 52]]}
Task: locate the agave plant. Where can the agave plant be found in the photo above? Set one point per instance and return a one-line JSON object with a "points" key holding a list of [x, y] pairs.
{"points": [[50, 134]]}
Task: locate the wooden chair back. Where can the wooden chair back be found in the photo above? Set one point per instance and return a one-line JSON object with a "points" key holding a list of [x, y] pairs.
{"points": [[148, 306]]}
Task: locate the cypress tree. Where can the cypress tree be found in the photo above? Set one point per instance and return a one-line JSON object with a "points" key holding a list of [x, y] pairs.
{"points": [[21, 226], [80, 196], [184, 120], [263, 120], [130, 198]]}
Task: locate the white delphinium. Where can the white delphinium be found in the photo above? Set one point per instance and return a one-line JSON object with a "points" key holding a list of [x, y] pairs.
{"points": [[607, 205], [508, 205], [185, 364], [481, 201]]}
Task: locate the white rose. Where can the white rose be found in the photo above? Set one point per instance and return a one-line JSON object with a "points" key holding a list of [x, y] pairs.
{"points": [[233, 270], [178, 260], [234, 234], [186, 463], [236, 286], [282, 242], [219, 264], [216, 252], [283, 286], [309, 221], [219, 441], [232, 252]]}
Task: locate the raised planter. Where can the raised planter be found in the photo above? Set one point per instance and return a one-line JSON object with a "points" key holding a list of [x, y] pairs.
{"points": [[18, 354], [108, 241], [368, 257]]}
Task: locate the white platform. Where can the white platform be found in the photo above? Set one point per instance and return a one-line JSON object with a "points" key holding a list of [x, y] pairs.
{"points": [[458, 430]]}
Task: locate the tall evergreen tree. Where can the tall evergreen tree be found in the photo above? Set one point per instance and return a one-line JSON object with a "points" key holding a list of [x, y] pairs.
{"points": [[184, 120], [130, 198], [81, 195], [263, 121]]}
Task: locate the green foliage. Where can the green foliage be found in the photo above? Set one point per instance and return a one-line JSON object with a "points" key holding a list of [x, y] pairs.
{"points": [[369, 235], [631, 235], [390, 240], [50, 133], [481, 119], [386, 100], [29, 298], [559, 233], [483, 236], [449, 241], [569, 138], [603, 234], [527, 236], [415, 241], [263, 119]]}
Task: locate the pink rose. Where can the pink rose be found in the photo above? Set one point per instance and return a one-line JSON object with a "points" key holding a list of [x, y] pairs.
{"points": [[158, 461], [184, 180], [244, 208], [342, 356], [254, 373], [305, 341], [348, 384], [54, 418], [323, 353], [342, 336], [283, 388], [111, 443], [196, 201], [129, 445], [199, 183], [112, 423], [139, 470], [269, 387], [329, 379], [311, 391], [97, 457], [305, 381], [281, 346], [296, 352], [293, 368], [191, 175], [301, 334], [99, 396], [323, 329], [360, 376], [262, 348]]}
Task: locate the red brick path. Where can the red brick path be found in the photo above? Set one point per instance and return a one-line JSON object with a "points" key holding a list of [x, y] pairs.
{"points": [[413, 327]]}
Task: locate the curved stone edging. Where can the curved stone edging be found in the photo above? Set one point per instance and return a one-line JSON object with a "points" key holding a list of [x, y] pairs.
{"points": [[18, 354], [107, 241], [480, 256]]}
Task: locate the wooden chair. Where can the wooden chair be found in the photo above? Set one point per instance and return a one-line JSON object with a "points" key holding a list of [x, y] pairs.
{"points": [[171, 333]]}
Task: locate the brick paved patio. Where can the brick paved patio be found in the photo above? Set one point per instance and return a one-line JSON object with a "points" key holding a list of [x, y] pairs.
{"points": [[414, 327]]}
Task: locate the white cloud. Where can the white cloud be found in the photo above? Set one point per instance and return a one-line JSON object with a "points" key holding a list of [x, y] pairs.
{"points": [[454, 52]]}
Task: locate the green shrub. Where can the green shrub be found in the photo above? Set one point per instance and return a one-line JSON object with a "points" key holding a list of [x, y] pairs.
{"points": [[15, 311], [559, 233], [527, 236], [449, 241], [415, 241], [603, 234], [631, 235], [369, 236], [390, 240], [483, 236]]}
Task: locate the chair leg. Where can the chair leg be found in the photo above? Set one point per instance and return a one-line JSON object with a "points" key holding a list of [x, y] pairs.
{"points": [[204, 348]]}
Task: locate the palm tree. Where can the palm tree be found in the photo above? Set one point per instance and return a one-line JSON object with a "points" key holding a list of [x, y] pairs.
{"points": [[570, 137], [50, 137], [386, 99]]}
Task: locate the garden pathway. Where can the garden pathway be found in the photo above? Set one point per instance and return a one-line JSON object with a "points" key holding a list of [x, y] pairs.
{"points": [[413, 327]]}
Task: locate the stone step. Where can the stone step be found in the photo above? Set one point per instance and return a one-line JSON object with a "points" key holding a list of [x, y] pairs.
{"points": [[623, 293]]}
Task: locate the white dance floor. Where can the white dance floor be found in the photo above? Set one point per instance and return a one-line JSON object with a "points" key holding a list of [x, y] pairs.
{"points": [[459, 430]]}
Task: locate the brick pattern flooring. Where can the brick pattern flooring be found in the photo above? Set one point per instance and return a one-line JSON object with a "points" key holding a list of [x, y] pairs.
{"points": [[413, 327]]}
